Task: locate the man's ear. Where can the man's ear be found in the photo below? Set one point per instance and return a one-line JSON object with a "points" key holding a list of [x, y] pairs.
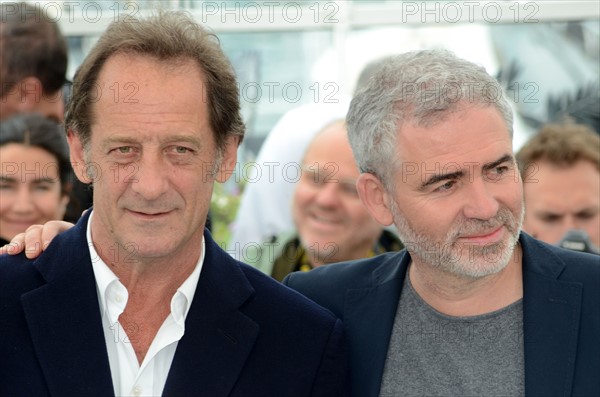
{"points": [[375, 198], [76, 152], [227, 165]]}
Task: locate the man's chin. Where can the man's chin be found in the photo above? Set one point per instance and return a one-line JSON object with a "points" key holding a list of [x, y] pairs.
{"points": [[481, 270], [472, 261], [485, 261], [140, 248]]}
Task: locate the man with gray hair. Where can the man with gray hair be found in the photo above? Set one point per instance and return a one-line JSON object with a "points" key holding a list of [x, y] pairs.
{"points": [[473, 306]]}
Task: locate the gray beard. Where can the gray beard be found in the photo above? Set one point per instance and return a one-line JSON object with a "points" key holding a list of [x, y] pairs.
{"points": [[470, 261]]}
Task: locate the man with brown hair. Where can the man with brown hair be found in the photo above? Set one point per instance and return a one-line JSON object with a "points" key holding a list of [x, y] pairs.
{"points": [[560, 168], [137, 298], [33, 62]]}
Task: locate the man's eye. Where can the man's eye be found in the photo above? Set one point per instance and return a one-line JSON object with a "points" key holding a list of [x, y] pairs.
{"points": [[501, 170], [551, 218], [349, 189], [125, 149], [181, 150], [42, 188], [585, 215], [446, 186], [311, 176]]}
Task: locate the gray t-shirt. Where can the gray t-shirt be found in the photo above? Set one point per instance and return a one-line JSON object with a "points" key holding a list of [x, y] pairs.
{"points": [[432, 354]]}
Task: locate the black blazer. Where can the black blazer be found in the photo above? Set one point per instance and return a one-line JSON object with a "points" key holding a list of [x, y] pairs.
{"points": [[561, 315], [245, 334]]}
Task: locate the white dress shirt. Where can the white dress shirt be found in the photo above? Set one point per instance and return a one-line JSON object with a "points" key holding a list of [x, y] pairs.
{"points": [[128, 376]]}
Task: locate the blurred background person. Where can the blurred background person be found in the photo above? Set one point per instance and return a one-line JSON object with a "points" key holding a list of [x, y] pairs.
{"points": [[33, 62], [560, 168], [33, 70], [331, 223], [35, 173], [264, 210]]}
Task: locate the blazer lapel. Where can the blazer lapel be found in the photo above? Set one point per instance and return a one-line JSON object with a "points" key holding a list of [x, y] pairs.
{"points": [[369, 317], [551, 310], [64, 320], [218, 336]]}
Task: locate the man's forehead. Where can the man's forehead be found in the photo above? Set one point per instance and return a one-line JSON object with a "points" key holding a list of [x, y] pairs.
{"points": [[461, 131], [341, 165], [550, 165], [135, 82], [126, 65]]}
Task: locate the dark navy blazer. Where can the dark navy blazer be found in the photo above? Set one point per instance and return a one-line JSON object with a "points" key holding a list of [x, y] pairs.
{"points": [[245, 334], [561, 315]]}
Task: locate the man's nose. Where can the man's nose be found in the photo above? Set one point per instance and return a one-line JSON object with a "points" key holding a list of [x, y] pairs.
{"points": [[328, 194], [481, 202], [148, 177]]}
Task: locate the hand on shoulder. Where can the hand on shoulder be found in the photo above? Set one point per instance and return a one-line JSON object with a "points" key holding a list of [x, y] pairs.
{"points": [[35, 239]]}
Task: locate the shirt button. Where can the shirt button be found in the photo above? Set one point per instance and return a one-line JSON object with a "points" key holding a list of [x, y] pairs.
{"points": [[119, 298], [137, 391]]}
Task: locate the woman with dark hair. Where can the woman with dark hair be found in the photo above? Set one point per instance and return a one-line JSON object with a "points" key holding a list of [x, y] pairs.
{"points": [[35, 174]]}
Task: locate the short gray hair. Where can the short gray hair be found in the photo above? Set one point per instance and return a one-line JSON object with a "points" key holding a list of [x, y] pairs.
{"points": [[422, 87]]}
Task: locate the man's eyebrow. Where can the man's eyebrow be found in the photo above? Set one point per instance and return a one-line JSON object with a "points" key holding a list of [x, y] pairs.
{"points": [[7, 179], [45, 180], [507, 158], [458, 174], [182, 138], [591, 210], [441, 177], [117, 139], [123, 139]]}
